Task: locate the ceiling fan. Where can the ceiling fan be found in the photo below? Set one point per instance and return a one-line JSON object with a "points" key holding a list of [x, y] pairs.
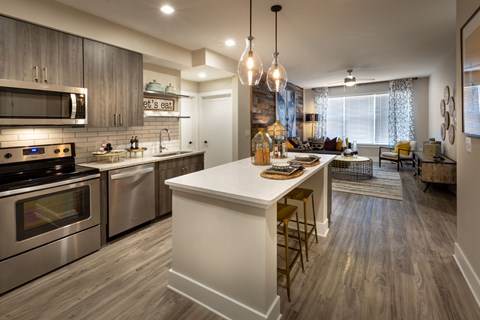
{"points": [[350, 80]]}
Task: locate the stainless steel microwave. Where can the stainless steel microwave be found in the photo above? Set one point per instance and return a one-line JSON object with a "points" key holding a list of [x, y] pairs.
{"points": [[37, 104]]}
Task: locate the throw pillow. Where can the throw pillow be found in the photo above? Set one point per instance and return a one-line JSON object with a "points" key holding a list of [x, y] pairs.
{"points": [[404, 146], [296, 142], [293, 144], [338, 147], [340, 143], [331, 144]]}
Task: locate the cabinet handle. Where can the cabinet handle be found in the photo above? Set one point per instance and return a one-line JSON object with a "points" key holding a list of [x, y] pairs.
{"points": [[114, 119], [45, 71], [120, 119], [36, 73]]}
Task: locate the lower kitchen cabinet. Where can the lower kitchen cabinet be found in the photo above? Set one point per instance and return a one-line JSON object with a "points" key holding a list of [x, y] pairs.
{"points": [[174, 168]]}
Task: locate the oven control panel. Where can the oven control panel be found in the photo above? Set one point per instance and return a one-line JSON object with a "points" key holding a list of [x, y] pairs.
{"points": [[21, 154]]}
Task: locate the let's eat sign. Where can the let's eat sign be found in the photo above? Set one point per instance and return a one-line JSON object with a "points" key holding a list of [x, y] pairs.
{"points": [[159, 104]]}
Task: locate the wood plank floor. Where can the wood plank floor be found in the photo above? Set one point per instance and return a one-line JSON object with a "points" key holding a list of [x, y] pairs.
{"points": [[383, 259]]}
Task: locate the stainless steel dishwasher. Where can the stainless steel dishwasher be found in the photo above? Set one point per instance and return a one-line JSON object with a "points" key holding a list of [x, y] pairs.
{"points": [[131, 197]]}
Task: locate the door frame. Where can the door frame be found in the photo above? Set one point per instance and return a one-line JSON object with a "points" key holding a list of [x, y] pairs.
{"points": [[218, 94]]}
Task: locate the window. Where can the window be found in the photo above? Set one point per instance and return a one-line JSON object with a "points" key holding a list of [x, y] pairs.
{"points": [[361, 118]]}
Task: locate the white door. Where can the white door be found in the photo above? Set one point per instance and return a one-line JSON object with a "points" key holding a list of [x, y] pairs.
{"points": [[189, 126], [216, 127]]}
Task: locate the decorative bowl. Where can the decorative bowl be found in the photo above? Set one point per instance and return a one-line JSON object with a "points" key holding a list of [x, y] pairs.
{"points": [[155, 86]]}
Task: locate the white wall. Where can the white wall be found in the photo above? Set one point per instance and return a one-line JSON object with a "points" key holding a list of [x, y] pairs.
{"points": [[443, 75], [468, 177]]}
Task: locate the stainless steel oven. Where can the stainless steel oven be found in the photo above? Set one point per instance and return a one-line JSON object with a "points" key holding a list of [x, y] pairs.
{"points": [[30, 103], [50, 212]]}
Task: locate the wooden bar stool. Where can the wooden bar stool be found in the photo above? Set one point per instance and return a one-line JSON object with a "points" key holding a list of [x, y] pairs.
{"points": [[301, 194], [284, 215]]}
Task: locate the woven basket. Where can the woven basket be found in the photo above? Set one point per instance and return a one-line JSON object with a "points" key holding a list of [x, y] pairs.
{"points": [[432, 149]]}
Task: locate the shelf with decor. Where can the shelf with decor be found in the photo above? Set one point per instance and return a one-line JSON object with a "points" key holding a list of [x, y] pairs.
{"points": [[164, 95], [157, 104]]}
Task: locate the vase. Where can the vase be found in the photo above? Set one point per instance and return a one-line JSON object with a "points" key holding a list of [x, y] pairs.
{"points": [[261, 145]]}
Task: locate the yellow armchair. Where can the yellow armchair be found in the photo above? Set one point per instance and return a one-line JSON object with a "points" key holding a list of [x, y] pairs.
{"points": [[402, 152]]}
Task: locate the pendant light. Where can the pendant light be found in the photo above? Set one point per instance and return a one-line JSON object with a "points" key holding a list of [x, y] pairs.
{"points": [[250, 67], [276, 76]]}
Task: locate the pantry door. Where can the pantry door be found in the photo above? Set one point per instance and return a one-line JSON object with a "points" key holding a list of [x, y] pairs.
{"points": [[216, 127]]}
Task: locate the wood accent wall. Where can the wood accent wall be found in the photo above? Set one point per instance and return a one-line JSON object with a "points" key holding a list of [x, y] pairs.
{"points": [[263, 107]]}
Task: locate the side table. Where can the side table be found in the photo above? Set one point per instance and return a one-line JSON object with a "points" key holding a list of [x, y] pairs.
{"points": [[430, 170]]}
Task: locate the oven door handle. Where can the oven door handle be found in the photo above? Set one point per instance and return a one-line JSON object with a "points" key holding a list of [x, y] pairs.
{"points": [[50, 185], [131, 174]]}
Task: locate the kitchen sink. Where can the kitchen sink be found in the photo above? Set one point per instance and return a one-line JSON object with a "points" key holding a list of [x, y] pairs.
{"points": [[168, 154]]}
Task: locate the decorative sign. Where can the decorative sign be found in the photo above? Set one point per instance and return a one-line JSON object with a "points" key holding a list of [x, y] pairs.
{"points": [[159, 104]]}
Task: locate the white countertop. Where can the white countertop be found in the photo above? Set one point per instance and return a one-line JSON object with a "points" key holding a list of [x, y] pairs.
{"points": [[126, 161], [240, 181]]}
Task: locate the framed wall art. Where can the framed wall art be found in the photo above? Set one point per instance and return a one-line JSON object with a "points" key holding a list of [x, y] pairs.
{"points": [[470, 34]]}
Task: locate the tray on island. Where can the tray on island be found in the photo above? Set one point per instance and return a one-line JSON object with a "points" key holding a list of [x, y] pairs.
{"points": [[282, 172], [306, 160], [286, 171]]}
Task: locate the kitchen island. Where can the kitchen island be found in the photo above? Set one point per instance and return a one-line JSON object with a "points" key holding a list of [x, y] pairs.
{"points": [[224, 235]]}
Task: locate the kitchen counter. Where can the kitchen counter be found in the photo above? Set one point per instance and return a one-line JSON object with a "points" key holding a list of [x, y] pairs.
{"points": [[126, 161], [224, 235]]}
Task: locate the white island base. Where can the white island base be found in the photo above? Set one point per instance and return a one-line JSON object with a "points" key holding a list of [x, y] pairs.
{"points": [[224, 235]]}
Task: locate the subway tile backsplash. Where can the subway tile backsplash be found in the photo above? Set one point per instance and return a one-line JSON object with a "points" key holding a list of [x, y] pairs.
{"points": [[88, 140]]}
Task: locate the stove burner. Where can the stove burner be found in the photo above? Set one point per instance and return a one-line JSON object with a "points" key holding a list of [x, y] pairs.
{"points": [[52, 167]]}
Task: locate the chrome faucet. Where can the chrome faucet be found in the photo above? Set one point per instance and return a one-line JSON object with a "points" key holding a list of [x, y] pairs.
{"points": [[160, 140]]}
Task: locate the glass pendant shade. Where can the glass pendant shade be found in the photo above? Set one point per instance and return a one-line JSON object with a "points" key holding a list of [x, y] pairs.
{"points": [[276, 77], [250, 67]]}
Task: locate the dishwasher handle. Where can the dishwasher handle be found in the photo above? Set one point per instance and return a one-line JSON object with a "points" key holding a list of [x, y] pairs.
{"points": [[131, 174]]}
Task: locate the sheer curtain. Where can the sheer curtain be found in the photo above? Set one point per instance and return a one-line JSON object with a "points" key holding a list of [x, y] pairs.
{"points": [[400, 111], [320, 97]]}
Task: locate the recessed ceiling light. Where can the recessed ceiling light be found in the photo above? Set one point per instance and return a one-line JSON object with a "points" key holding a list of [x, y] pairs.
{"points": [[229, 42], [167, 9], [202, 75]]}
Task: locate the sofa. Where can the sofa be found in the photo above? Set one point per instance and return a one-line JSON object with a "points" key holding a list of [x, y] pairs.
{"points": [[318, 146]]}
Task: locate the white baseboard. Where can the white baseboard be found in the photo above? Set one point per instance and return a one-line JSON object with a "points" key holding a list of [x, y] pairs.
{"points": [[217, 302], [469, 274], [322, 227]]}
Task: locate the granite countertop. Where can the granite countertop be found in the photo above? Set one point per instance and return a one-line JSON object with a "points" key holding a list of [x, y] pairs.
{"points": [[125, 161]]}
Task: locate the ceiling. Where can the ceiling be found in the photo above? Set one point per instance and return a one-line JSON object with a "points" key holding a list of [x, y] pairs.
{"points": [[317, 40]]}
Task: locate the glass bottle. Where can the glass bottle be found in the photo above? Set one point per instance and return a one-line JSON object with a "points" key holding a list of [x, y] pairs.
{"points": [[354, 148], [279, 137], [132, 141], [135, 143], [261, 144]]}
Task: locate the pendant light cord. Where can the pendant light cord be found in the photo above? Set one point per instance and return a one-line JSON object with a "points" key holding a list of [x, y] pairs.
{"points": [[250, 37], [276, 8], [276, 51]]}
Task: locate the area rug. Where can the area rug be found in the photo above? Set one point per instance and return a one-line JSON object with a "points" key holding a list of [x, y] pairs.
{"points": [[386, 183]]}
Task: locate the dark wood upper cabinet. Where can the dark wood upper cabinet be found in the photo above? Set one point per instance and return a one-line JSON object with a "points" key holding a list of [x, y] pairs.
{"points": [[36, 54], [114, 79]]}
